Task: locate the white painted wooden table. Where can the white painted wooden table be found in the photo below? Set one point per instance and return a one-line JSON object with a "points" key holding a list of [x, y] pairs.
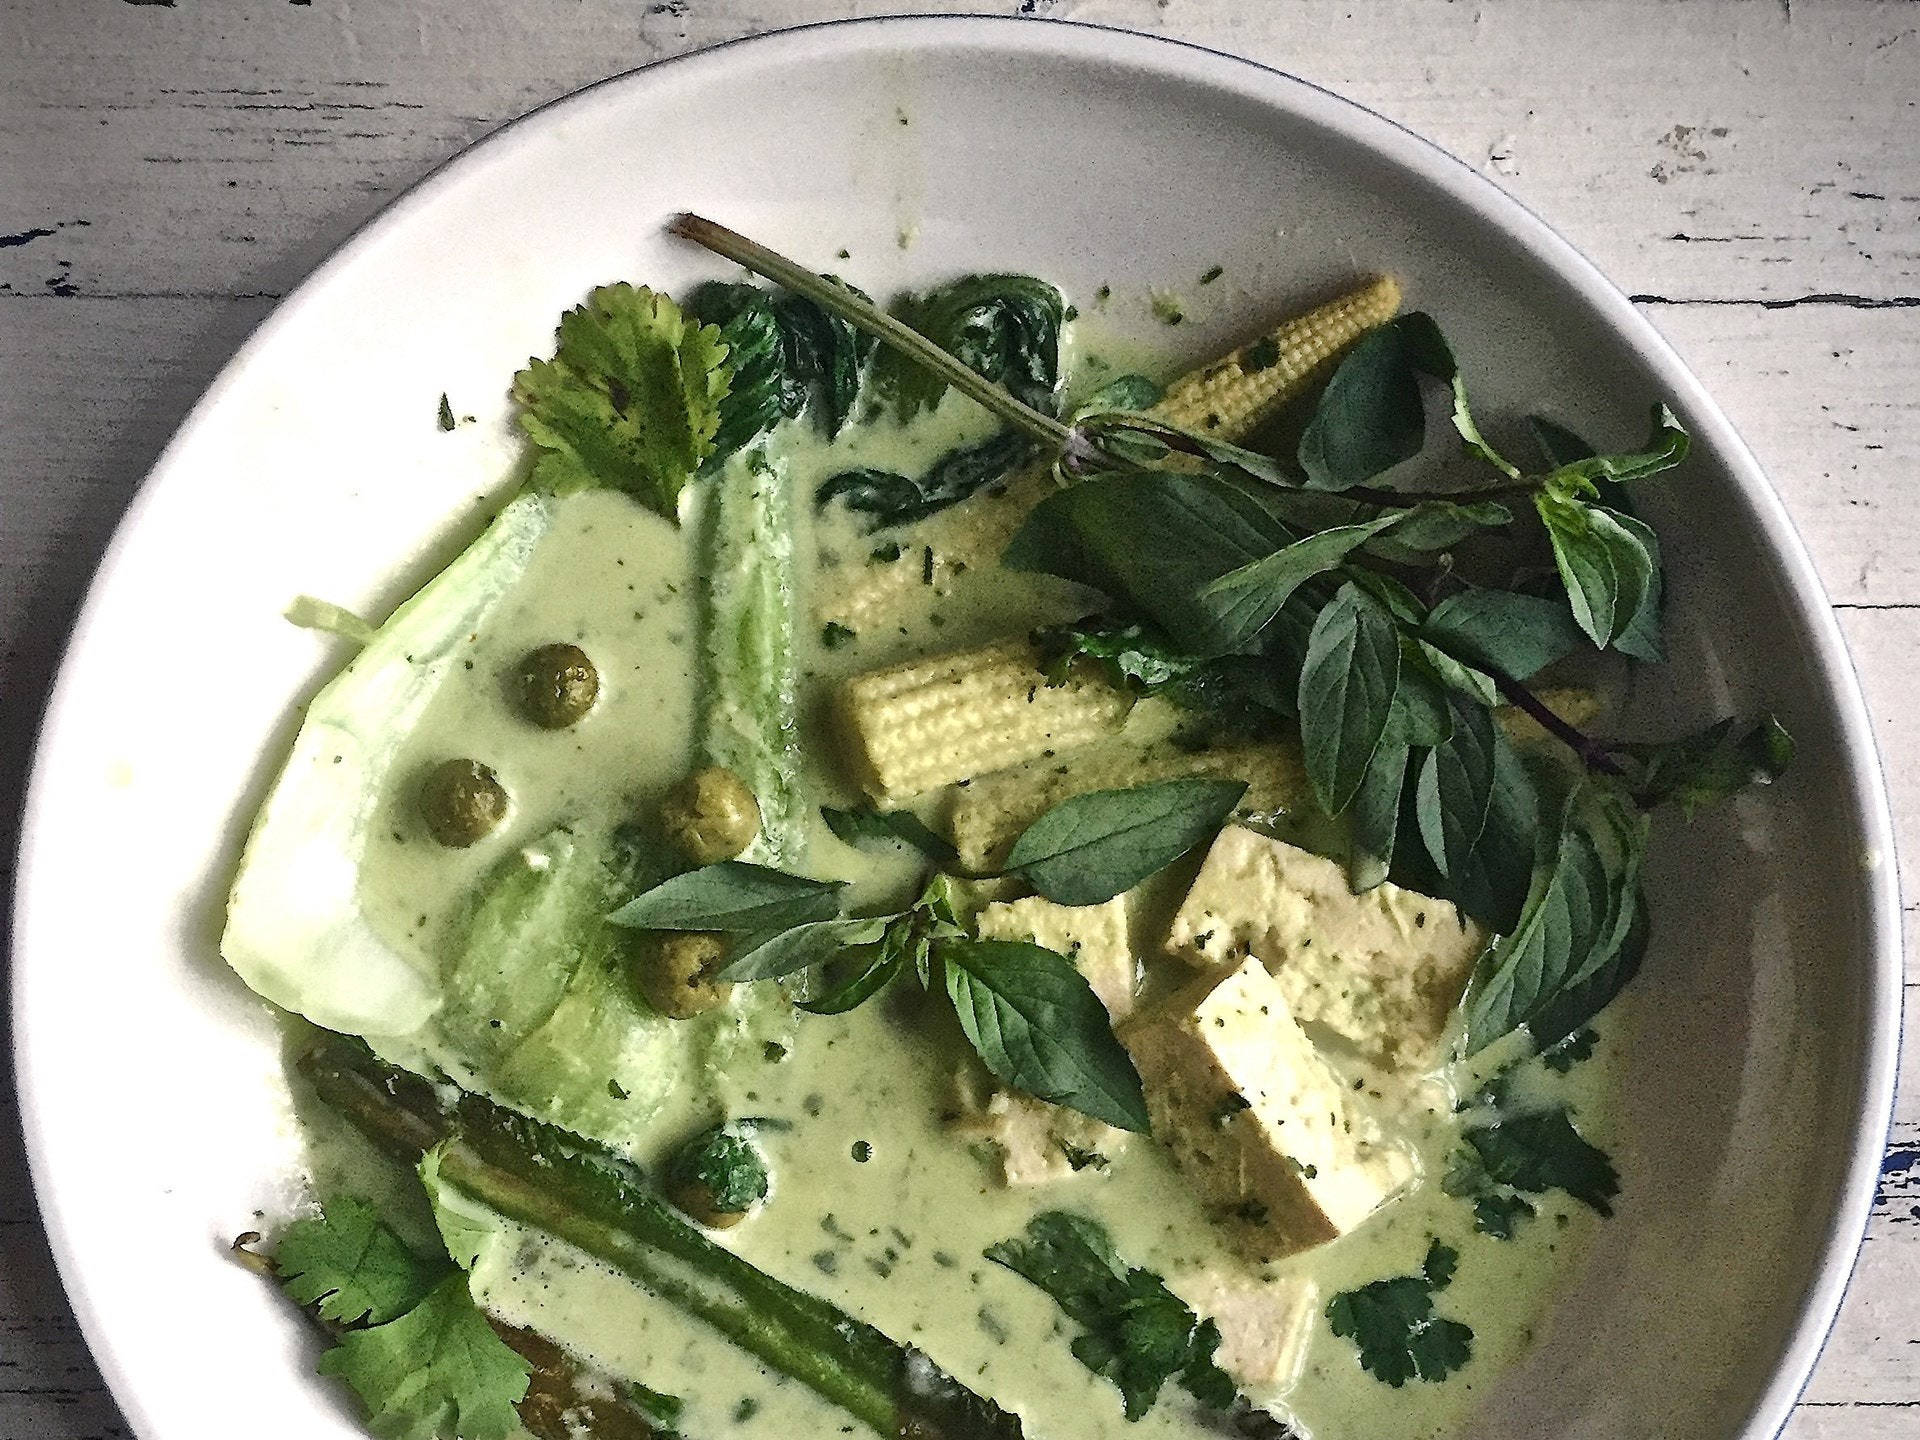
{"points": [[1748, 169]]}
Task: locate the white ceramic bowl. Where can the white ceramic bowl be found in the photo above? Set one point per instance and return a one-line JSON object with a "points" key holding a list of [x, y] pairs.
{"points": [[150, 1080]]}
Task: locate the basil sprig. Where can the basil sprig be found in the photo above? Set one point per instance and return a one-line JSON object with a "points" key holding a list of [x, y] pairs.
{"points": [[1257, 587]]}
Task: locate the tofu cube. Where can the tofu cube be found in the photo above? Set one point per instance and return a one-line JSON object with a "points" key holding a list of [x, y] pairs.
{"points": [[1038, 1143], [1094, 937], [1382, 971], [1264, 1324], [1257, 1120]]}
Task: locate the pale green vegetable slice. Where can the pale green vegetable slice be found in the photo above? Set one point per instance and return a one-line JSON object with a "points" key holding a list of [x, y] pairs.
{"points": [[296, 931]]}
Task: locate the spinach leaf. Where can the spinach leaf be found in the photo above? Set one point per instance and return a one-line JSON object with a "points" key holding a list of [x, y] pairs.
{"points": [[1718, 762], [1393, 1323], [858, 827], [1006, 327], [1347, 686], [890, 498], [1090, 848], [1124, 393], [776, 952], [1150, 540], [1135, 1331], [1503, 630], [1603, 560], [786, 353], [1038, 1026], [732, 895]]}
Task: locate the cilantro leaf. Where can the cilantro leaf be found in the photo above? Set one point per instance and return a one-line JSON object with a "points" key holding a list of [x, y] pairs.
{"points": [[348, 1265], [1136, 1332], [437, 1370], [1037, 1025], [1393, 1324], [631, 398], [1542, 1151]]}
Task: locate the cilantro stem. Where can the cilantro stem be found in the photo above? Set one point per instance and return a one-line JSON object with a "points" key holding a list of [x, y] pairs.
{"points": [[864, 315]]}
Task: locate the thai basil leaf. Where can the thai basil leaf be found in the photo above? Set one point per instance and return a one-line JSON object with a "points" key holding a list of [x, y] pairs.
{"points": [[1241, 691], [1422, 715], [1376, 818], [1559, 444], [1240, 604], [1090, 848], [1007, 327], [1150, 540], [1517, 635], [1718, 762], [1038, 1026], [1371, 416], [1454, 795], [889, 498], [1346, 694], [1578, 916], [1436, 525], [1603, 561], [856, 979], [1666, 447], [1640, 637], [732, 896], [858, 827], [776, 953], [1578, 1004]]}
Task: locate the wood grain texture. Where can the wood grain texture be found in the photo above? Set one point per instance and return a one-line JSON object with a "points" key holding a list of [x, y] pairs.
{"points": [[1746, 167]]}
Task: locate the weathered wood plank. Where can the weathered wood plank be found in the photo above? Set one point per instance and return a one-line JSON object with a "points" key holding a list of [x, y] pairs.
{"points": [[1695, 150]]}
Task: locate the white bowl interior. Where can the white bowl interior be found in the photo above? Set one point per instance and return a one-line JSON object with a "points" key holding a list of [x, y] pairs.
{"points": [[151, 1080]]}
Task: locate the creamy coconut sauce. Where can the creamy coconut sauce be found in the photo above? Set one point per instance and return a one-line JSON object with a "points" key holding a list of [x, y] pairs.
{"points": [[877, 1204]]}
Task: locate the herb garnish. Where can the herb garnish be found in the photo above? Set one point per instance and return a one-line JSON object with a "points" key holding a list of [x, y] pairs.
{"points": [[1278, 566], [410, 1341], [858, 827], [1135, 1331], [1090, 848], [1515, 1155], [1393, 1323]]}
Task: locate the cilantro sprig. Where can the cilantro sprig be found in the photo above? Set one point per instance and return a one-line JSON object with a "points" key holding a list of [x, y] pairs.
{"points": [[1134, 1330], [1393, 1323]]}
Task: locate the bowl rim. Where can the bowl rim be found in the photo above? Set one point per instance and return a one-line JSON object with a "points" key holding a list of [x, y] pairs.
{"points": [[1190, 63]]}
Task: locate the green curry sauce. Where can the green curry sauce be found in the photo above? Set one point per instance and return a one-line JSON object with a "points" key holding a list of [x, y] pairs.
{"points": [[876, 1202]]}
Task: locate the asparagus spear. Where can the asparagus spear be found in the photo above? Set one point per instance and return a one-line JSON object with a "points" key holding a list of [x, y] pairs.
{"points": [[546, 1178]]}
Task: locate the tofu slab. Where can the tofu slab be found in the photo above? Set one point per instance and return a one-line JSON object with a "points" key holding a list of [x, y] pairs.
{"points": [[1264, 1324], [1258, 1122], [1038, 1143], [1383, 971]]}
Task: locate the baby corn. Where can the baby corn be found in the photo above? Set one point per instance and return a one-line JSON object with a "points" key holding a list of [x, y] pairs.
{"points": [[934, 721], [1233, 396]]}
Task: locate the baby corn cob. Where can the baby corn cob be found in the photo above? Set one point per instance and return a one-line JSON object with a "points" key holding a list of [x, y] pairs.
{"points": [[989, 814], [1235, 395], [934, 721]]}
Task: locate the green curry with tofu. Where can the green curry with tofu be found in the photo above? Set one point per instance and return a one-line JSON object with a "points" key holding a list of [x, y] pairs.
{"points": [[909, 882]]}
